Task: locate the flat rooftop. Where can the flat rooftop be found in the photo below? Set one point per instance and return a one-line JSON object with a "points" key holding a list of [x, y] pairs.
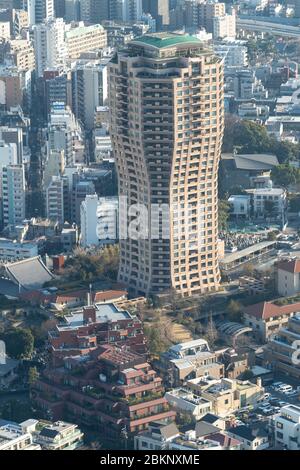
{"points": [[165, 40], [230, 258], [104, 312]]}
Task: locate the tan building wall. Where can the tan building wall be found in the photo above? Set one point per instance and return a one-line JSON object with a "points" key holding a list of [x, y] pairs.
{"points": [[166, 129], [85, 39]]}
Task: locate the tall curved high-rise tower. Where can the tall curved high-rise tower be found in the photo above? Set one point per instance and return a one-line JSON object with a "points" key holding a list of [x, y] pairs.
{"points": [[167, 120]]}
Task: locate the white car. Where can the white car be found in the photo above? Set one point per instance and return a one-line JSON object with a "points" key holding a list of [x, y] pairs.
{"points": [[291, 393]]}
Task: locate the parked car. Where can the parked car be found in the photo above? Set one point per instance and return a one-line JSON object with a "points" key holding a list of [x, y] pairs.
{"points": [[291, 393], [285, 388]]}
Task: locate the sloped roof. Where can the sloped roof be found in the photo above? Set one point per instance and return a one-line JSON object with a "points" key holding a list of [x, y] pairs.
{"points": [[266, 310], [291, 266], [29, 273], [255, 161]]}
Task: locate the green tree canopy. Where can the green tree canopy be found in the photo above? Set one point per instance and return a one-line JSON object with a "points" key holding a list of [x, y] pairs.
{"points": [[224, 212], [19, 342], [285, 175]]}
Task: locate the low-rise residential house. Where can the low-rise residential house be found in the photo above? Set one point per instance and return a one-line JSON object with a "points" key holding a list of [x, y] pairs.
{"points": [[265, 318], [33, 434], [282, 352], [184, 401], [13, 438], [156, 437], [250, 438], [188, 360], [287, 427], [168, 437], [226, 395], [288, 277], [8, 371], [55, 436]]}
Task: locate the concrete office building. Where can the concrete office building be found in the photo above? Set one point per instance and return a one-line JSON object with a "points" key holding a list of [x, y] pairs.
{"points": [[166, 126], [159, 10], [49, 45], [89, 90], [84, 39], [13, 194]]}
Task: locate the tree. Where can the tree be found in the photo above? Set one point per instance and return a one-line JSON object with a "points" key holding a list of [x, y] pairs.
{"points": [[246, 375], [224, 211], [33, 375], [234, 311], [157, 344], [285, 175], [269, 206], [19, 342], [272, 236], [211, 333], [294, 204]]}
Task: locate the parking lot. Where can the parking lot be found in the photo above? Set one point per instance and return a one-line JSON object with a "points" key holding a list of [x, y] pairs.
{"points": [[269, 406]]}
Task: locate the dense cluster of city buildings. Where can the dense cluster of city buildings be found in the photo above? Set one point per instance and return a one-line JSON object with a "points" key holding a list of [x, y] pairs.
{"points": [[112, 122]]}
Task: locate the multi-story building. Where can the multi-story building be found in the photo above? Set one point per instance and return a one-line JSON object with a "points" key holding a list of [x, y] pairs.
{"points": [[159, 10], [49, 45], [84, 39], [226, 395], [268, 202], [17, 20], [265, 318], [13, 135], [4, 30], [166, 105], [287, 429], [201, 14], [282, 351], [98, 220], [127, 11], [233, 53], [80, 189], [64, 132], [8, 153], [87, 328], [89, 90], [224, 26], [12, 437], [13, 194], [57, 89], [40, 435], [22, 54], [14, 251], [109, 390], [55, 199], [188, 360], [288, 277], [39, 11]]}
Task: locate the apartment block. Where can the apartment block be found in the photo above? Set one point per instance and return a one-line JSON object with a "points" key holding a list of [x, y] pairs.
{"points": [[88, 327], [287, 430], [166, 105], [85, 39], [13, 194], [107, 391], [282, 352], [288, 277]]}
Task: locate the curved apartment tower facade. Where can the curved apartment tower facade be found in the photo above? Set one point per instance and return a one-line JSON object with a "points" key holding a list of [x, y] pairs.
{"points": [[167, 119]]}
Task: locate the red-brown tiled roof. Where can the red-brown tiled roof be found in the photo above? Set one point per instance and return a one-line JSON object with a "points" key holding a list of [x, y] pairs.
{"points": [[109, 295], [266, 310], [291, 266]]}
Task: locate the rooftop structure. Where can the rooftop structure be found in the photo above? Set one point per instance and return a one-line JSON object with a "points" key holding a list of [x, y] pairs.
{"points": [[29, 273]]}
